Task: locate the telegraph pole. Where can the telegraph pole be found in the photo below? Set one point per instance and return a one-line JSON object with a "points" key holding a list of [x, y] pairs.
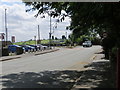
{"points": [[35, 39], [38, 35], [50, 33], [6, 27]]}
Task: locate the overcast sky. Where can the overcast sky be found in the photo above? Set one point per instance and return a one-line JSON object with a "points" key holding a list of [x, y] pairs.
{"points": [[23, 25]]}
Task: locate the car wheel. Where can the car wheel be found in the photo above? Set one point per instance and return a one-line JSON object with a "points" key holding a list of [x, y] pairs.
{"points": [[29, 50]]}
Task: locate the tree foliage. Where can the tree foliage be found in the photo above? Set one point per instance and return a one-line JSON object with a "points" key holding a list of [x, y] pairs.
{"points": [[63, 37]]}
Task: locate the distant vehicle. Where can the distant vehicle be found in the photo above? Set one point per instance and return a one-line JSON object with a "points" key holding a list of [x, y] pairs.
{"points": [[42, 47], [28, 48], [15, 49], [87, 44]]}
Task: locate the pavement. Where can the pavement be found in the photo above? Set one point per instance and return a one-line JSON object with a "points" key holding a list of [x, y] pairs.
{"points": [[6, 58], [99, 74]]}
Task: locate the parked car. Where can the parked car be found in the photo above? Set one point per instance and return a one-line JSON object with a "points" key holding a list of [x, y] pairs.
{"points": [[87, 44], [36, 47], [15, 49], [42, 47], [28, 48]]}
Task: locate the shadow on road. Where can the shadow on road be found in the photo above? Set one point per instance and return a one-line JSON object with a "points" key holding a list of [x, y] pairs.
{"points": [[101, 52], [99, 74], [47, 79]]}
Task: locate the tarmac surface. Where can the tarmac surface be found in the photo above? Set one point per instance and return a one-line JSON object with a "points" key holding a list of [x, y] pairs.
{"points": [[97, 74]]}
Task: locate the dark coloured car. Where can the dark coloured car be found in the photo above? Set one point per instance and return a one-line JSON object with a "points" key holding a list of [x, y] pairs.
{"points": [[35, 46], [15, 49], [28, 48]]}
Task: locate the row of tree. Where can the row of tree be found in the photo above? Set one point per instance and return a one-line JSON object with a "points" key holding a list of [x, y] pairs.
{"points": [[63, 37]]}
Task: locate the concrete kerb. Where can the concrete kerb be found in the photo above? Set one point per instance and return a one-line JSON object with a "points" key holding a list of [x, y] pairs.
{"points": [[9, 58], [20, 56], [47, 52]]}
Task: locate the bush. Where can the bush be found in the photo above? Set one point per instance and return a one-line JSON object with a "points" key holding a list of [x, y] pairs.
{"points": [[96, 41], [113, 55], [67, 42], [5, 52]]}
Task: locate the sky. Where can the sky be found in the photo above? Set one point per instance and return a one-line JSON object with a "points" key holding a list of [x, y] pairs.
{"points": [[24, 26]]}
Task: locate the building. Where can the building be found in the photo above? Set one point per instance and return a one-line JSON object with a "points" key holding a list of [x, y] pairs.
{"points": [[13, 39]]}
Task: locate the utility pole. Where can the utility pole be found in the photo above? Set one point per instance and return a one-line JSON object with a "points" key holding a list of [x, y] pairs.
{"points": [[39, 35], [6, 27], [50, 33], [35, 39]]}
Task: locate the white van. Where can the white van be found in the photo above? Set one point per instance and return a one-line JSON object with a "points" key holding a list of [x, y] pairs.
{"points": [[87, 44]]}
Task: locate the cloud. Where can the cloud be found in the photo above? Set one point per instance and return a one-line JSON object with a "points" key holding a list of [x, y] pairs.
{"points": [[10, 0], [23, 25]]}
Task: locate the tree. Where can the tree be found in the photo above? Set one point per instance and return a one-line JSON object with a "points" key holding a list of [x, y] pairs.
{"points": [[56, 38], [63, 37], [53, 37]]}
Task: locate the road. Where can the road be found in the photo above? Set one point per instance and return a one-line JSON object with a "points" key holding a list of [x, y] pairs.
{"points": [[51, 70]]}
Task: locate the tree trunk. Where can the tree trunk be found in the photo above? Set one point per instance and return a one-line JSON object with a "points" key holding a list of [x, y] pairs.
{"points": [[118, 69]]}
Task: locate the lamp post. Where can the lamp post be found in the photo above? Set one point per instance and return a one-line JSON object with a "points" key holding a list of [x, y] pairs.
{"points": [[50, 33]]}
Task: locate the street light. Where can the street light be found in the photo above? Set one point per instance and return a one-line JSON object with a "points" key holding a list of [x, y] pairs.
{"points": [[50, 34], [50, 12]]}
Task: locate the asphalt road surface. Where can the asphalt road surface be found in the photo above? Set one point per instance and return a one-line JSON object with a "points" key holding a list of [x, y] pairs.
{"points": [[57, 69]]}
